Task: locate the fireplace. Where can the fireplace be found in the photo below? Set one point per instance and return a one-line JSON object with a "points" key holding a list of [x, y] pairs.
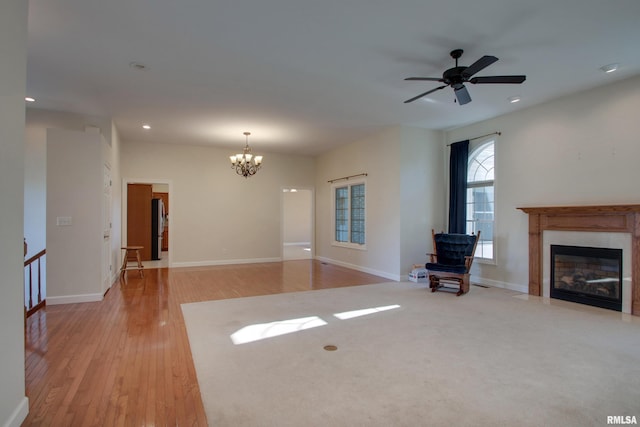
{"points": [[587, 275], [624, 219]]}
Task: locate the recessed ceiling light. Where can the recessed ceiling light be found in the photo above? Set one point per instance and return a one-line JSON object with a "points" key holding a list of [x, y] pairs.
{"points": [[610, 68], [147, 127], [30, 99], [514, 99]]}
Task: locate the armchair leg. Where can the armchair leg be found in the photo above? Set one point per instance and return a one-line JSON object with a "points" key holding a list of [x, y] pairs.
{"points": [[464, 286]]}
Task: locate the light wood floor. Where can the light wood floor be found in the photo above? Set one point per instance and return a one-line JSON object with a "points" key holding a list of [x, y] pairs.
{"points": [[126, 360]]}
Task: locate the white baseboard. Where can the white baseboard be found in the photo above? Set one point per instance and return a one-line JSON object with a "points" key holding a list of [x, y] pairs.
{"points": [[297, 244], [390, 276], [73, 299], [19, 414], [224, 262], [498, 284]]}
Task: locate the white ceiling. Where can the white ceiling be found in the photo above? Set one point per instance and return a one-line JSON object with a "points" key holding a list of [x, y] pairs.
{"points": [[304, 76]]}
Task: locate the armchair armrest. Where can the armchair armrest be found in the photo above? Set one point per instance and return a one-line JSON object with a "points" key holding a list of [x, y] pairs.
{"points": [[433, 258], [468, 260]]}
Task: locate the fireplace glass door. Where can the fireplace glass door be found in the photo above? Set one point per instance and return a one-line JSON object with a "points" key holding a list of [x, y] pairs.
{"points": [[587, 275]]}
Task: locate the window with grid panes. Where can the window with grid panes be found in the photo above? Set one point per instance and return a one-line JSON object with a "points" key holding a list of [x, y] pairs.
{"points": [[349, 214], [480, 198]]}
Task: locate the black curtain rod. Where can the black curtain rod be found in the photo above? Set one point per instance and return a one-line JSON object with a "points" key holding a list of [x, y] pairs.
{"points": [[483, 136], [331, 181]]}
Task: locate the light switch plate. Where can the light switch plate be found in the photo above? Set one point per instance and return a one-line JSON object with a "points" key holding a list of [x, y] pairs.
{"points": [[63, 220]]}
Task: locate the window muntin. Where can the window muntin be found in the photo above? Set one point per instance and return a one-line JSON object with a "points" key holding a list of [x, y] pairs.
{"points": [[349, 215], [342, 214], [357, 214], [481, 199]]}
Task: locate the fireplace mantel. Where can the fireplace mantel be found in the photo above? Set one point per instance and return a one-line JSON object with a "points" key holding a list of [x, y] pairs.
{"points": [[603, 218]]}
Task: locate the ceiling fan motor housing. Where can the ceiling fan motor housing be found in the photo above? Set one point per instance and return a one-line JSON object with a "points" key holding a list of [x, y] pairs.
{"points": [[453, 76]]}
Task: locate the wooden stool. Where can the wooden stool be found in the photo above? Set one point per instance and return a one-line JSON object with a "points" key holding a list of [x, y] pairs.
{"points": [[128, 252]]}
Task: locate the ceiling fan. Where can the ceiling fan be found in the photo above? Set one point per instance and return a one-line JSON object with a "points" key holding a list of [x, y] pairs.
{"points": [[457, 76]]}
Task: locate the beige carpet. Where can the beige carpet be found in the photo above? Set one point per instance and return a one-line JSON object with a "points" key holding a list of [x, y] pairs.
{"points": [[410, 357]]}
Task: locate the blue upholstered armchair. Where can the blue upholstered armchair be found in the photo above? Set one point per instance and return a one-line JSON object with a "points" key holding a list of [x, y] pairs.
{"points": [[452, 260]]}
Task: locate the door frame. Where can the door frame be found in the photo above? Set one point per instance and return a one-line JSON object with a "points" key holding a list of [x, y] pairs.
{"points": [[108, 278], [123, 213]]}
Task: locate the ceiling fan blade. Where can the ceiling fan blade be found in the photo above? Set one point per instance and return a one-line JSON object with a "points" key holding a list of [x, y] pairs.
{"points": [[480, 64], [428, 79], [424, 94], [462, 95], [498, 79]]}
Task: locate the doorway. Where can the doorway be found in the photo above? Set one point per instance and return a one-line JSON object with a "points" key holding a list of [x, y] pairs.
{"points": [[297, 224], [137, 219]]}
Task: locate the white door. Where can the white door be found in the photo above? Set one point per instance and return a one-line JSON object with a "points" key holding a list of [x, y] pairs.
{"points": [[107, 264]]}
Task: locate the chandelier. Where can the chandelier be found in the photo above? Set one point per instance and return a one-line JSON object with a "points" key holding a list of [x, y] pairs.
{"points": [[246, 164]]}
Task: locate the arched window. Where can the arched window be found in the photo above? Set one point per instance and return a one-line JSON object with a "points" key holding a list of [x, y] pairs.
{"points": [[480, 198]]}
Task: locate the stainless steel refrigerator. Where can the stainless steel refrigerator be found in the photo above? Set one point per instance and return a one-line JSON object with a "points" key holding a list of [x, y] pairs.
{"points": [[157, 228]]}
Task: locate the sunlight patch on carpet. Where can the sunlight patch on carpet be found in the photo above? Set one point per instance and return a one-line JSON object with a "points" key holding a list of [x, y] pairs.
{"points": [[364, 312], [261, 331]]}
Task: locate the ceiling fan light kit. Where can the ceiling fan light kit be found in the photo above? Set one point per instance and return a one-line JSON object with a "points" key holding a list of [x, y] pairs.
{"points": [[457, 76]]}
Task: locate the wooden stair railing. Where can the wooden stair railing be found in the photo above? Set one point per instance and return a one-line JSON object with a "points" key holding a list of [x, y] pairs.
{"points": [[29, 307]]}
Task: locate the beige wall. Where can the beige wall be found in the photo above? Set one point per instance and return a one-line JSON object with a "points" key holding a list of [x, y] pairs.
{"points": [[422, 194], [218, 217], [580, 149], [74, 190], [402, 163], [14, 405], [160, 188]]}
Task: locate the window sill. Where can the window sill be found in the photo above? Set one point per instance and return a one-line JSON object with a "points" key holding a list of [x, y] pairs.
{"points": [[350, 246], [486, 261]]}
